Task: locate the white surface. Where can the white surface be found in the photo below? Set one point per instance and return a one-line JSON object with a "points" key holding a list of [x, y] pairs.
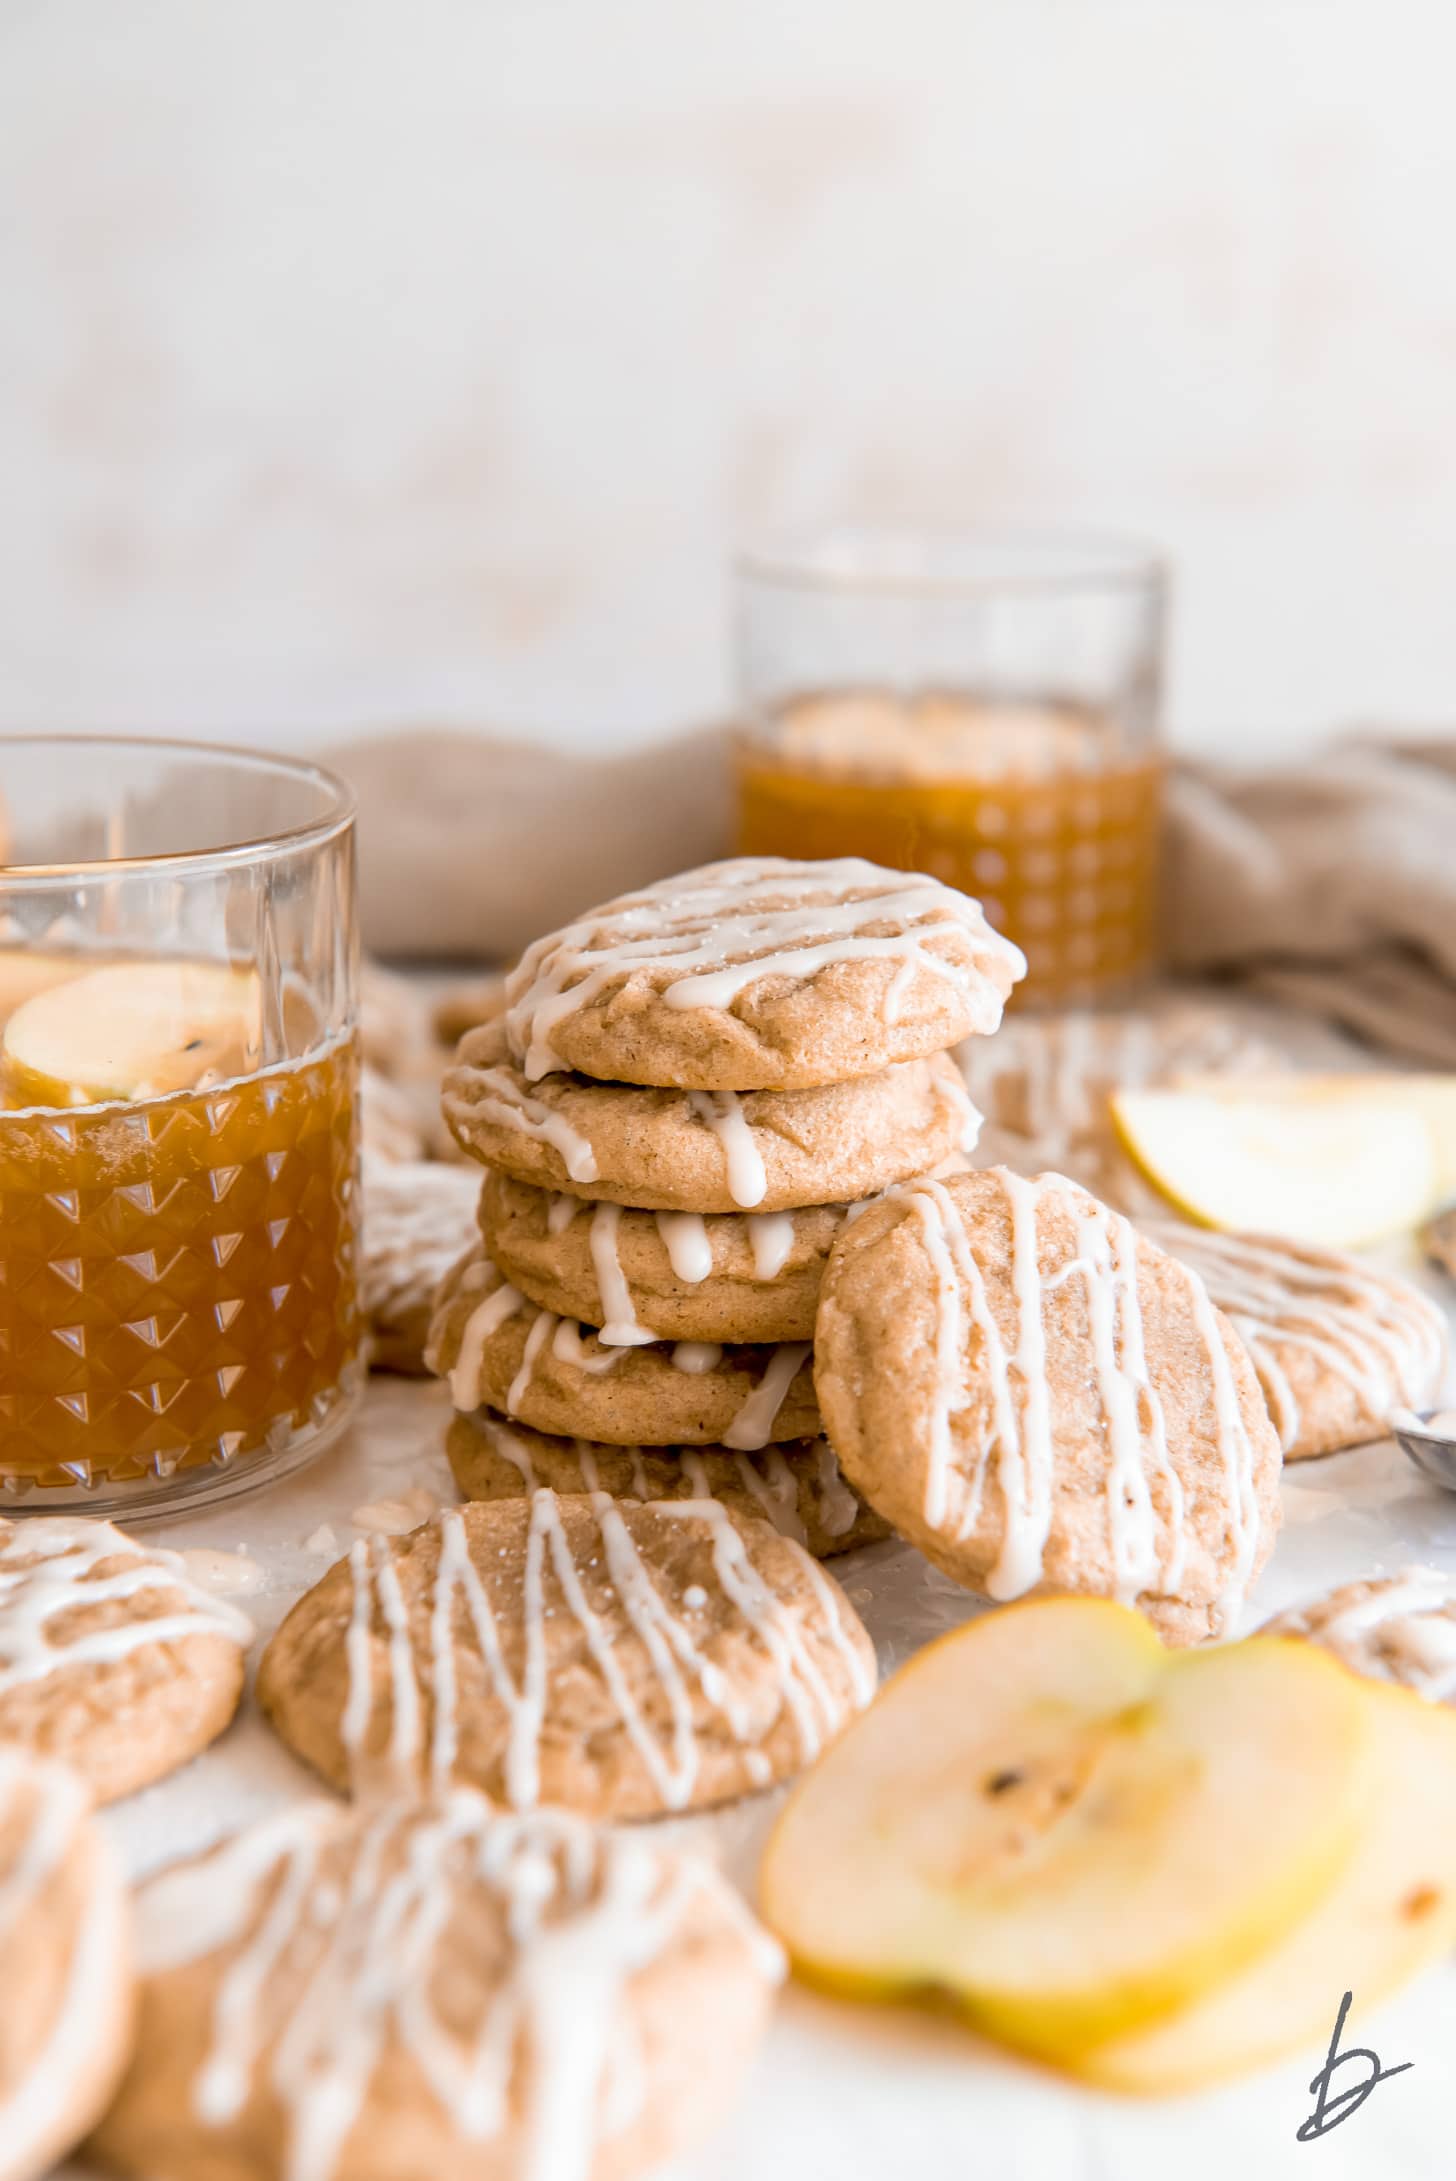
{"points": [[378, 361], [866, 2094]]}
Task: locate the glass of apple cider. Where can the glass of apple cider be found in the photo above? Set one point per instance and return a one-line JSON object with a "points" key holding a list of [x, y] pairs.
{"points": [[178, 1187], [982, 706]]}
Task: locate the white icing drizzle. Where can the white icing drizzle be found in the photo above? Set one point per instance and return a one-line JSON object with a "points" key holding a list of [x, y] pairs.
{"points": [[771, 1237], [684, 1674], [65, 1552], [722, 1112], [509, 1106], [419, 1219], [696, 1357], [1382, 1339], [583, 1912], [620, 1326], [1404, 1631], [54, 1807], [753, 1426], [560, 1212], [1145, 1539], [838, 1507], [685, 1238], [723, 936], [774, 1488], [485, 1319]]}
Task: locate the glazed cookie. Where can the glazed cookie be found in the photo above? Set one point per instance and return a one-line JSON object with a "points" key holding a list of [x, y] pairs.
{"points": [[702, 1151], [1044, 1083], [435, 1989], [641, 1276], [758, 974], [1439, 1238], [65, 1966], [618, 1658], [419, 1218], [389, 1127], [1044, 1401], [500, 1351], [1336, 1344], [1398, 1628], [798, 1488], [111, 1657]]}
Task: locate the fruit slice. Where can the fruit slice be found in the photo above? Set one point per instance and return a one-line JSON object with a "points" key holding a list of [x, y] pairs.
{"points": [[27, 970], [1334, 1160], [132, 1030], [1391, 1911], [1066, 1828]]}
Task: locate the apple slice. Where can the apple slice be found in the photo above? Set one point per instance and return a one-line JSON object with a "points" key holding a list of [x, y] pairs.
{"points": [[1068, 1829], [1338, 1161], [132, 1030], [1390, 1912]]}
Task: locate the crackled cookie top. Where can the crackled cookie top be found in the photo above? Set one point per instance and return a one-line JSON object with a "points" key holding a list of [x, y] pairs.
{"points": [[497, 1348], [1337, 1345], [435, 1989], [419, 1217], [1042, 1400], [65, 1967], [617, 1658], [799, 1488], [706, 1151], [643, 1276], [760, 973], [1398, 1628], [111, 1656]]}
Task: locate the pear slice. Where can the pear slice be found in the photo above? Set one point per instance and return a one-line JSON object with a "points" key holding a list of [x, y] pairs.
{"points": [[1337, 1161], [1390, 1912], [1067, 1829], [132, 1030]]}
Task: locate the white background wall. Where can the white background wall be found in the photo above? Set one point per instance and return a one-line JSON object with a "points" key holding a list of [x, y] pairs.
{"points": [[371, 361]]}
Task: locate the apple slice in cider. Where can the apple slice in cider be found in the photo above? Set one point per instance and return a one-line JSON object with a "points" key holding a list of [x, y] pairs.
{"points": [[132, 1031]]}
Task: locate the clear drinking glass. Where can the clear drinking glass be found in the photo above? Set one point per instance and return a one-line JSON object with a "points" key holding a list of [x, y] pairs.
{"points": [[984, 706], [178, 1185]]}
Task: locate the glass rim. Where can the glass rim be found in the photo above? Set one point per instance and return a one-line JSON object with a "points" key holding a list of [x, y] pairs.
{"points": [[335, 819], [860, 559]]}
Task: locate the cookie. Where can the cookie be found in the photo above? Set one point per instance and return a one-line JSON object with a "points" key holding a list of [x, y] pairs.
{"points": [[438, 1990], [419, 1218], [641, 1276], [1042, 1400], [502, 1352], [798, 1488], [760, 973], [701, 1151], [1337, 1345], [1044, 1083], [394, 1022], [65, 1966], [111, 1657], [1439, 1239], [1399, 1628], [616, 1658], [389, 1126]]}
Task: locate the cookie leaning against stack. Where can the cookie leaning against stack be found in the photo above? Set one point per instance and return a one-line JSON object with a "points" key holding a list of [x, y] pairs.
{"points": [[688, 1091]]}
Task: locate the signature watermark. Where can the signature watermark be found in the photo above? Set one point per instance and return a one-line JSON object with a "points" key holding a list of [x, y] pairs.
{"points": [[1331, 2107]]}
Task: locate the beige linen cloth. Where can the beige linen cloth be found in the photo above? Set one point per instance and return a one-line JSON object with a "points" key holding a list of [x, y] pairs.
{"points": [[1330, 884]]}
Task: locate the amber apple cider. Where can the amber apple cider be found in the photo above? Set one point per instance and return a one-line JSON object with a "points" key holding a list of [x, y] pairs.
{"points": [[1038, 809], [177, 1244]]}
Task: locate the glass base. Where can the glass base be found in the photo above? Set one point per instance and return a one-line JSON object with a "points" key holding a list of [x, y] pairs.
{"points": [[138, 1500]]}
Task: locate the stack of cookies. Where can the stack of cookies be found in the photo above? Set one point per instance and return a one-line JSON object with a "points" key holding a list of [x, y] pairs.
{"points": [[687, 1095]]}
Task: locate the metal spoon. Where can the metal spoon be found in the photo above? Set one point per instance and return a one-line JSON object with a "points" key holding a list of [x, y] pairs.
{"points": [[1432, 1451]]}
